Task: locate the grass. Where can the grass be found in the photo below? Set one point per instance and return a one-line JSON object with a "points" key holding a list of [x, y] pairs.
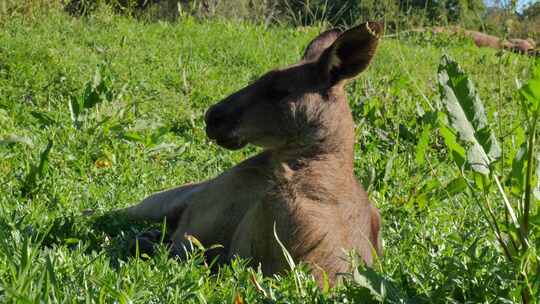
{"points": [[142, 89]]}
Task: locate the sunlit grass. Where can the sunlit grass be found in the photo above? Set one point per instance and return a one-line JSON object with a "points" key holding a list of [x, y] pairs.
{"points": [[149, 136]]}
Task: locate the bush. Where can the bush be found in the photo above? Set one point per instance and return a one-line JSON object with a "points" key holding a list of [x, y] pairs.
{"points": [[27, 8]]}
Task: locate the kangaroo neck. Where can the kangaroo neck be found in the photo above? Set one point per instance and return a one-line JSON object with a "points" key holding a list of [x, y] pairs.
{"points": [[337, 156]]}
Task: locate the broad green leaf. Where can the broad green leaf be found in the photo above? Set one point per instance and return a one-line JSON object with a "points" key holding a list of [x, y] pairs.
{"points": [[535, 220], [133, 137], [43, 118], [156, 136], [531, 91], [467, 116], [425, 193], [30, 181], [375, 288], [421, 147], [517, 175], [15, 139], [74, 110], [456, 150], [388, 168], [90, 97], [480, 180], [456, 186], [44, 158], [96, 90]]}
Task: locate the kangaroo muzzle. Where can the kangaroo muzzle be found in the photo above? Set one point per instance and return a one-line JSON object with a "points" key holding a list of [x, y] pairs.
{"points": [[221, 126]]}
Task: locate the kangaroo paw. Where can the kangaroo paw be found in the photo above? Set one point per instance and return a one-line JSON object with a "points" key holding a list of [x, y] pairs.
{"points": [[146, 242]]}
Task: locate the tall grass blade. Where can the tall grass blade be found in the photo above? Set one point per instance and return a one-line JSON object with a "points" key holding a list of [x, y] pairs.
{"points": [[290, 262], [30, 181]]}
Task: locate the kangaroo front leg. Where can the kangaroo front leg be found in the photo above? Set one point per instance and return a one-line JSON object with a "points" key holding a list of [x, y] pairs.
{"points": [[208, 211], [169, 203], [216, 209]]}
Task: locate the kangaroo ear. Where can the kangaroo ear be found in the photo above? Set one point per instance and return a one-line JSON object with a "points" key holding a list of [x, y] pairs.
{"points": [[318, 45], [351, 53]]}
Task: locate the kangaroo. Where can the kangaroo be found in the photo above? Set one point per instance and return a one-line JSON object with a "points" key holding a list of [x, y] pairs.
{"points": [[301, 187]]}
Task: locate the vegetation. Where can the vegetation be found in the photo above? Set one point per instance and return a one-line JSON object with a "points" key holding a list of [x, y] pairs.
{"points": [[500, 18], [100, 111]]}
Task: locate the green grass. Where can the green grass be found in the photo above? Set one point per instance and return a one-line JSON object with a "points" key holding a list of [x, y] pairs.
{"points": [[157, 79]]}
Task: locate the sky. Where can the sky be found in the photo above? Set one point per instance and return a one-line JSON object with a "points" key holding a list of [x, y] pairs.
{"points": [[521, 3], [524, 3]]}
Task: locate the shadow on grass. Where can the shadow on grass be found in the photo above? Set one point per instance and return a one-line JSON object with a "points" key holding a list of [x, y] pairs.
{"points": [[110, 233]]}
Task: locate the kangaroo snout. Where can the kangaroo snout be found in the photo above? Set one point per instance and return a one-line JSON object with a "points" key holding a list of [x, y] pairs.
{"points": [[221, 126], [214, 119]]}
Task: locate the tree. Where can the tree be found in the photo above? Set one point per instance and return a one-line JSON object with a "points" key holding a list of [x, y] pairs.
{"points": [[446, 11], [532, 11]]}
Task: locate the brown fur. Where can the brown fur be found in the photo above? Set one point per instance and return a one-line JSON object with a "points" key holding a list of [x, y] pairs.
{"points": [[302, 183], [485, 40], [520, 46], [523, 46], [515, 45]]}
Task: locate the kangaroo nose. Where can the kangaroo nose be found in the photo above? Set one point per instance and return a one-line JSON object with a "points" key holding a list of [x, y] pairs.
{"points": [[213, 116], [214, 119], [207, 115]]}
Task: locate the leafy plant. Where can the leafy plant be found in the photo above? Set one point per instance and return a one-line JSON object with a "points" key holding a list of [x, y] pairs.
{"points": [[151, 139], [476, 151], [96, 91]]}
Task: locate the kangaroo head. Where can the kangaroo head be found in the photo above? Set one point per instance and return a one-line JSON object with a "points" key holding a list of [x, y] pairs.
{"points": [[299, 105]]}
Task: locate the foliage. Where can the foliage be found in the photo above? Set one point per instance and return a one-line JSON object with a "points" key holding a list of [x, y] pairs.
{"points": [[28, 8], [467, 116], [398, 15], [465, 12], [508, 23], [510, 222], [123, 101], [532, 11]]}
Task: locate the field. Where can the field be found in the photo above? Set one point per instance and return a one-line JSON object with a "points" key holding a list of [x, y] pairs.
{"points": [[99, 112]]}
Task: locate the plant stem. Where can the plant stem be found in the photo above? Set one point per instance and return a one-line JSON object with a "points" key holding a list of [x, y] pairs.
{"points": [[506, 202], [525, 297], [530, 165], [519, 228], [498, 230], [492, 222]]}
